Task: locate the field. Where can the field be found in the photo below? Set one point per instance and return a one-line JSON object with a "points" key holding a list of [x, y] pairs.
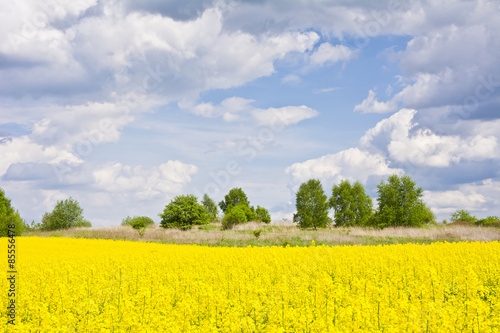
{"points": [[90, 285], [281, 233]]}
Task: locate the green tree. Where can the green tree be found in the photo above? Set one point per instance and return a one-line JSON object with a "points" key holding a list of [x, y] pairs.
{"points": [[262, 215], [9, 217], [210, 207], [183, 212], [235, 215], [312, 206], [139, 220], [400, 203], [351, 204], [234, 197], [66, 214], [463, 215]]}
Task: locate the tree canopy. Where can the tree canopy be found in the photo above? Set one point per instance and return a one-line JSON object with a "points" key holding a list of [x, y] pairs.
{"points": [[66, 214], [351, 204], [183, 212], [312, 205], [400, 203]]}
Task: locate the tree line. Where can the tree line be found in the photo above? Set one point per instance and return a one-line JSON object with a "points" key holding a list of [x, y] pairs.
{"points": [[399, 204], [399, 200]]}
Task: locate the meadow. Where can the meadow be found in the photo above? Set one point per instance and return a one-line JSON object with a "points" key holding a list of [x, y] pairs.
{"points": [[95, 285], [283, 233]]}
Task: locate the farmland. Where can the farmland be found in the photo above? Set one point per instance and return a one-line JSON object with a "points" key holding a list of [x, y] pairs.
{"points": [[96, 285]]}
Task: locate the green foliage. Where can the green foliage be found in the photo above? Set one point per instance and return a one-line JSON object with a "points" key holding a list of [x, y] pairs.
{"points": [[262, 215], [234, 197], [183, 212], [31, 227], [235, 215], [462, 215], [351, 204], [137, 220], [312, 206], [210, 207], [489, 221], [257, 233], [66, 214], [9, 216], [400, 204]]}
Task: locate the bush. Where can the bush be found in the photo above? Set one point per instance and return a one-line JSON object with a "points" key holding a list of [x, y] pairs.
{"points": [[488, 221], [262, 215], [400, 204], [236, 215], [183, 212], [9, 216], [312, 206], [351, 204], [210, 207], [66, 214], [462, 215], [137, 220]]}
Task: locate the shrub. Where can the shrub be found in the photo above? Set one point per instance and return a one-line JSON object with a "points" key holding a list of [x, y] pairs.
{"points": [[9, 216], [137, 220], [312, 206], [66, 214], [488, 221], [462, 215], [210, 207], [236, 215], [183, 212], [351, 204]]}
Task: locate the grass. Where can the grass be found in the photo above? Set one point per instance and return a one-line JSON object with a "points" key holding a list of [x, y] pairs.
{"points": [[282, 233]]}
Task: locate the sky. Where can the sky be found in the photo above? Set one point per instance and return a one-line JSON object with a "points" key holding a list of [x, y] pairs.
{"points": [[124, 105]]}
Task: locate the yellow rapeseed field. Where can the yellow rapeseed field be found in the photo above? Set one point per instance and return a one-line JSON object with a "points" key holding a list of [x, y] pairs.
{"points": [[82, 285]]}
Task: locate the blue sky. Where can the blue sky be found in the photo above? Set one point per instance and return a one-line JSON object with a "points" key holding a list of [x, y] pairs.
{"points": [[124, 105]]}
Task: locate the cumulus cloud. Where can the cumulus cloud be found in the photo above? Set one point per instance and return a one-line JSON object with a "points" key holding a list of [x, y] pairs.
{"points": [[372, 105], [144, 183], [399, 136], [330, 54], [352, 163], [476, 197]]}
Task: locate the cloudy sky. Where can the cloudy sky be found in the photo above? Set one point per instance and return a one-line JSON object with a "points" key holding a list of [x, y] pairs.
{"points": [[125, 104]]}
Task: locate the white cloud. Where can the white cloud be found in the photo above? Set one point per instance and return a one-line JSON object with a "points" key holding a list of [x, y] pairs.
{"points": [[23, 149], [352, 163], [144, 183], [403, 142], [475, 197], [237, 108], [291, 79], [329, 54], [284, 116], [372, 105]]}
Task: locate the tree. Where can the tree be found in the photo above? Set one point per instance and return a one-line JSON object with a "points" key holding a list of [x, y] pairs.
{"points": [[9, 217], [262, 215], [183, 212], [235, 215], [400, 203], [234, 197], [66, 214], [312, 206], [210, 207], [139, 220], [351, 204], [463, 215]]}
